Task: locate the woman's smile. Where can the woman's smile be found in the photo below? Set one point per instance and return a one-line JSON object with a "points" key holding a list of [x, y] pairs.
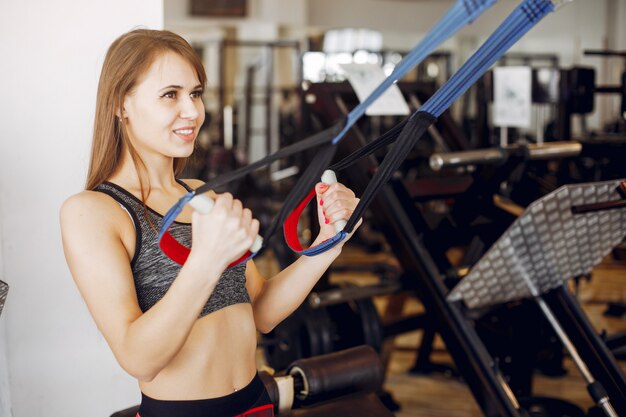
{"points": [[187, 133]]}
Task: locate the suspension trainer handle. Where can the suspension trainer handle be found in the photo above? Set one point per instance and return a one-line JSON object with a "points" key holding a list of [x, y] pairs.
{"points": [[203, 204], [329, 177]]}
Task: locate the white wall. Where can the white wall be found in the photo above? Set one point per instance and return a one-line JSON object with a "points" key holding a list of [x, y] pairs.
{"points": [[59, 365]]}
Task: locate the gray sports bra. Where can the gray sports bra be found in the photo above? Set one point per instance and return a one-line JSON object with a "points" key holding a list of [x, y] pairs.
{"points": [[154, 272]]}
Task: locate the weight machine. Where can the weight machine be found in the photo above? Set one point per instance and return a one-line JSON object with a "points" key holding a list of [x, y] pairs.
{"points": [[562, 235]]}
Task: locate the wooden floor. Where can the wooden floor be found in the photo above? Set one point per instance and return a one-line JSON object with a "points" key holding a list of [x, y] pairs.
{"points": [[439, 396]]}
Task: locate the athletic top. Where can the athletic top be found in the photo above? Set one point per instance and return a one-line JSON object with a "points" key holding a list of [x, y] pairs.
{"points": [[153, 271]]}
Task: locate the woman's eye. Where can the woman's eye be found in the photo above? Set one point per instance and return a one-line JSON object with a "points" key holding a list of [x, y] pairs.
{"points": [[196, 94], [169, 94]]}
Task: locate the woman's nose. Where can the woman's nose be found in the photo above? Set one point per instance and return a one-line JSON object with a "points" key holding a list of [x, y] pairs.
{"points": [[188, 109]]}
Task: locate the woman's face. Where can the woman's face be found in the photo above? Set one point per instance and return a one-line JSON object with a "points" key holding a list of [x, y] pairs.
{"points": [[165, 111]]}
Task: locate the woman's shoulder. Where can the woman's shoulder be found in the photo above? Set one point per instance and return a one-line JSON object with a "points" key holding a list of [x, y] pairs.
{"points": [[89, 207], [87, 199]]}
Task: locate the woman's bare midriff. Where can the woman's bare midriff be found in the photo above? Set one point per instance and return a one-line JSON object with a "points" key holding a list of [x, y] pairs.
{"points": [[217, 358]]}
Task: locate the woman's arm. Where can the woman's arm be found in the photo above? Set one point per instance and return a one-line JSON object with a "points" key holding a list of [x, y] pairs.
{"points": [[276, 298], [93, 227]]}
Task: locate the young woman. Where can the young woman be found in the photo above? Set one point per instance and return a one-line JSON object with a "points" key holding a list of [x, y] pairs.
{"points": [[188, 334]]}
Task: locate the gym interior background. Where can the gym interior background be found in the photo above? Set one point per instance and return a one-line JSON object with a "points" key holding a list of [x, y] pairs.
{"points": [[53, 361]]}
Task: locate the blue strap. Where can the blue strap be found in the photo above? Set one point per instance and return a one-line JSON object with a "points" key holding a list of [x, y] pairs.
{"points": [[173, 212], [521, 20], [462, 13], [324, 246], [174, 249]]}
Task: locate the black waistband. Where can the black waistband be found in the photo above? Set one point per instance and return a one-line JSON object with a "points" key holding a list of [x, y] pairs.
{"points": [[229, 405]]}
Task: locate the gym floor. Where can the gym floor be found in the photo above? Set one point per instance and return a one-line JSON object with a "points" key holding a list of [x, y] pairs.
{"points": [[439, 396]]}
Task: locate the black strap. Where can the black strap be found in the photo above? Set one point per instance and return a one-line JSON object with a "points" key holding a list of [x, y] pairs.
{"points": [[414, 129], [321, 138], [303, 186], [386, 139]]}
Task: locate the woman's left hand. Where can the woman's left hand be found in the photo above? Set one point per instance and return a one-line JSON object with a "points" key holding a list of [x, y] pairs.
{"points": [[334, 202]]}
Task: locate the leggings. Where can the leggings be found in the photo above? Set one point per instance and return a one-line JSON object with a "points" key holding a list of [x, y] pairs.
{"points": [[250, 401]]}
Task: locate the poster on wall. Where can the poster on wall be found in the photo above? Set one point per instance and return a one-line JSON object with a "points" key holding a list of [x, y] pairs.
{"points": [[364, 79], [512, 100]]}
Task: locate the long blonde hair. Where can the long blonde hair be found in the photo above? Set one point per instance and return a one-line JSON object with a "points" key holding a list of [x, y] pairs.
{"points": [[127, 59]]}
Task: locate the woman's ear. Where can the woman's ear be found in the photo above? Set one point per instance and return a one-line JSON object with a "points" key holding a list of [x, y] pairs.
{"points": [[120, 112], [120, 116]]}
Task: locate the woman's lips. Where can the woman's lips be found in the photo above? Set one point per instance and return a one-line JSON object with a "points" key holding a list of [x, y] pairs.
{"points": [[185, 133]]}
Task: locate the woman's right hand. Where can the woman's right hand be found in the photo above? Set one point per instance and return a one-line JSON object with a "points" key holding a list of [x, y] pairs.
{"points": [[225, 233]]}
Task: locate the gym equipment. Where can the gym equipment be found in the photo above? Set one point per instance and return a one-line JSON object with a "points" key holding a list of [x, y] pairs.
{"points": [[513, 28], [420, 247], [330, 103], [566, 92], [243, 87], [603, 152], [204, 204], [328, 297], [305, 333], [557, 95], [176, 250], [264, 98], [562, 235], [544, 96], [335, 319], [614, 89], [496, 156], [329, 376], [577, 89], [525, 169], [341, 384], [4, 290], [396, 216]]}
